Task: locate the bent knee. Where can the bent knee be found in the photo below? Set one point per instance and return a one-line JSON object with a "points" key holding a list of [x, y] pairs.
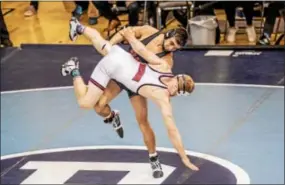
{"points": [[97, 108], [100, 105]]}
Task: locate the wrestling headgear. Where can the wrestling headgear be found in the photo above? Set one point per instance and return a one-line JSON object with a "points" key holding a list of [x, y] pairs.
{"points": [[180, 35], [186, 84]]}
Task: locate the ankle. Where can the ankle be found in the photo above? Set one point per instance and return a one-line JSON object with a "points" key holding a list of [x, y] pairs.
{"points": [[80, 28], [75, 73], [110, 117], [153, 156]]}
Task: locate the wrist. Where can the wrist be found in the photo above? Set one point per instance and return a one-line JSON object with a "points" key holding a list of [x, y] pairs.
{"points": [[131, 38], [184, 157]]}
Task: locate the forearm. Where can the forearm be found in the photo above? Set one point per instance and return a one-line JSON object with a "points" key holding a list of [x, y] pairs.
{"points": [[117, 38], [176, 139], [141, 50]]}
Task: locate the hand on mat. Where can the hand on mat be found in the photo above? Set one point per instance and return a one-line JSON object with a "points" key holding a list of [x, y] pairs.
{"points": [[190, 165]]}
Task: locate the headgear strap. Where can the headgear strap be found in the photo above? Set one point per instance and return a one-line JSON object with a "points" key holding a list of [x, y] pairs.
{"points": [[183, 92], [173, 32]]}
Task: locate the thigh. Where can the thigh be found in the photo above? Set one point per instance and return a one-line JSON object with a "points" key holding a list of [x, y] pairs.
{"points": [[100, 76], [139, 104], [111, 91]]}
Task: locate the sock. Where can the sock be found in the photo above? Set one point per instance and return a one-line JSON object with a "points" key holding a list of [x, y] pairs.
{"points": [[110, 115], [80, 28], [153, 155], [75, 73], [109, 118]]}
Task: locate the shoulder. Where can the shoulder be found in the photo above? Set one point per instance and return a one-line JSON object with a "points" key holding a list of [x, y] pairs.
{"points": [[147, 30], [150, 28], [160, 96], [169, 59]]}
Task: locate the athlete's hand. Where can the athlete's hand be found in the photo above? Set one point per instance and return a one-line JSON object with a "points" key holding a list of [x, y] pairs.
{"points": [[128, 33], [190, 165]]}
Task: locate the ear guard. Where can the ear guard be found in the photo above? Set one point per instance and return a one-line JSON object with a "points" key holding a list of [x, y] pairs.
{"points": [[170, 33], [173, 32], [182, 92]]}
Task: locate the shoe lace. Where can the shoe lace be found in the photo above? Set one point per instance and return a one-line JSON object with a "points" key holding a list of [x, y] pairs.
{"points": [[155, 165], [116, 122]]}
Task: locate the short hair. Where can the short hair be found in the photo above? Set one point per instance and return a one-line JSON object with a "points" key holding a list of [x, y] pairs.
{"points": [[181, 36]]}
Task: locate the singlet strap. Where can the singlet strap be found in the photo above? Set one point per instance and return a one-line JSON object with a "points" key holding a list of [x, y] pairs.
{"points": [[150, 38], [162, 54]]}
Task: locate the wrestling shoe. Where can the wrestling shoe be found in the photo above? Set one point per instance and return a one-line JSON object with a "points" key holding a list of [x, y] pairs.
{"points": [[156, 167], [114, 119], [263, 40], [75, 28], [69, 66]]}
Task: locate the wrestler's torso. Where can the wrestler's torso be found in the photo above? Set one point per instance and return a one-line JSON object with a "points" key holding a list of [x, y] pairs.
{"points": [[124, 68], [132, 71], [153, 42]]}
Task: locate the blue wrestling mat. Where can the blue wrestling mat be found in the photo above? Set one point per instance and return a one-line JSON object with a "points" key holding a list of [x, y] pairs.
{"points": [[232, 125]]}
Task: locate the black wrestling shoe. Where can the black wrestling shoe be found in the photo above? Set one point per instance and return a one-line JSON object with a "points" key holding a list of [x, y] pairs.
{"points": [[263, 40], [156, 167], [116, 122]]}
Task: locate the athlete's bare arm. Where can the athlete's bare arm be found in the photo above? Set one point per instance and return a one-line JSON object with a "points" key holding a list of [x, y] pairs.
{"points": [[172, 130], [140, 48], [168, 59], [162, 99]]}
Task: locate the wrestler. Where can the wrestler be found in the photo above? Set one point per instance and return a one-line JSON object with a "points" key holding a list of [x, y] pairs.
{"points": [[137, 77]]}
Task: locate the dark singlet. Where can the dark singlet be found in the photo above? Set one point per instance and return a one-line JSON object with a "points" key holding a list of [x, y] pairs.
{"points": [[145, 42], [140, 59]]}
